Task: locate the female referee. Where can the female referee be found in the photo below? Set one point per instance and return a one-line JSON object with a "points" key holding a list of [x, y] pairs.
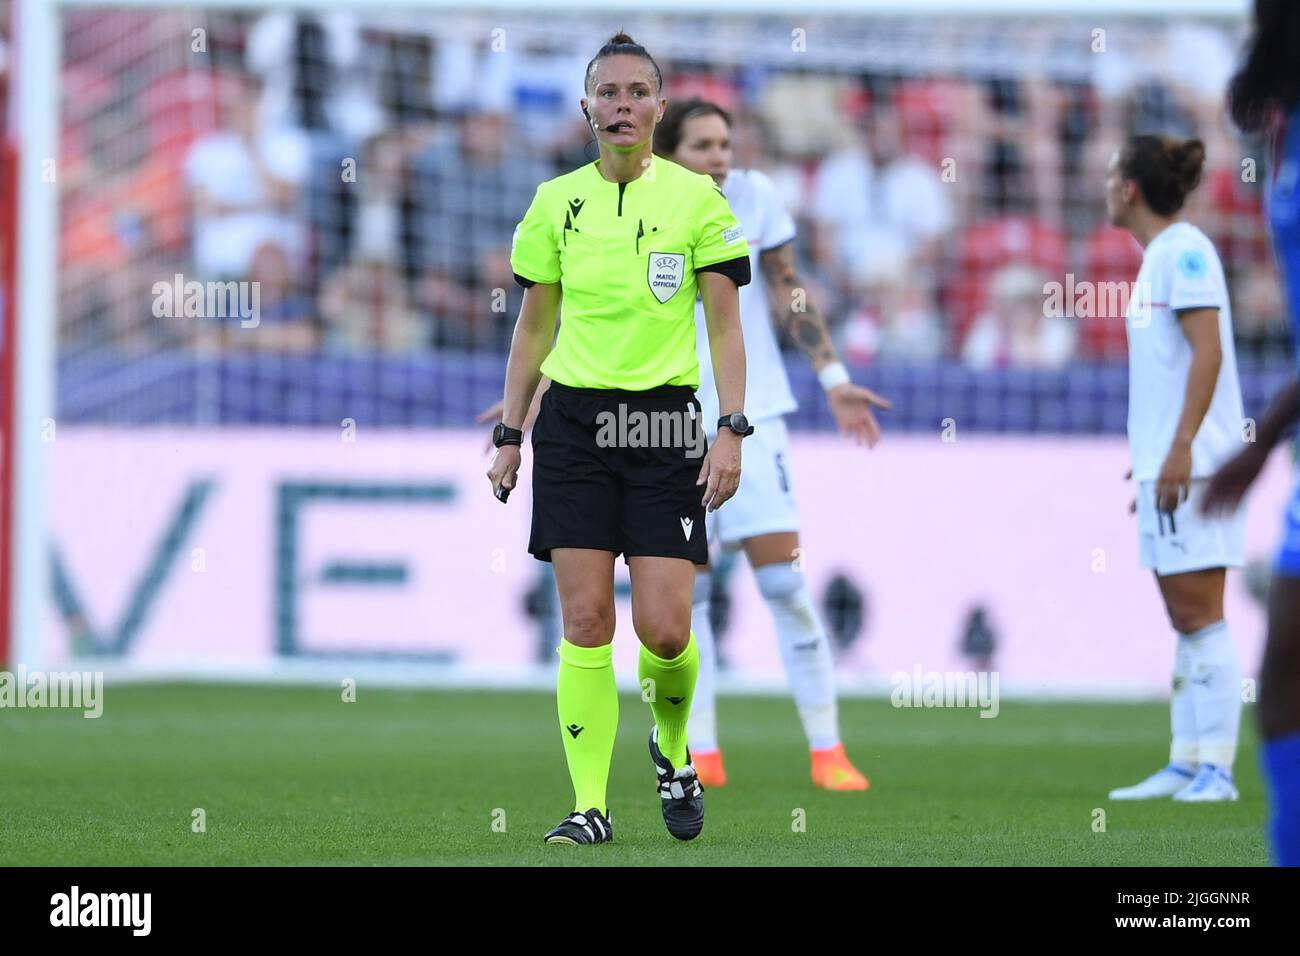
{"points": [[1265, 97], [620, 247], [762, 519], [1184, 420]]}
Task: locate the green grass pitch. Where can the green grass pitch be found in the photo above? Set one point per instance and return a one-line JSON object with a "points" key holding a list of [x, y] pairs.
{"points": [[294, 775]]}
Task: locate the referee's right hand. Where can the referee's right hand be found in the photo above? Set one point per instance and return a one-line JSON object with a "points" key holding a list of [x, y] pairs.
{"points": [[504, 470], [720, 473]]}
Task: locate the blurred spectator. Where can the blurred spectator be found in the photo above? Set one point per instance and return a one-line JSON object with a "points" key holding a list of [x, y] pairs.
{"points": [[1232, 212], [1014, 331], [1259, 318], [285, 320], [544, 85], [467, 199], [874, 188], [450, 133], [1174, 85], [311, 73], [244, 181], [365, 307], [1112, 258], [892, 318], [985, 248]]}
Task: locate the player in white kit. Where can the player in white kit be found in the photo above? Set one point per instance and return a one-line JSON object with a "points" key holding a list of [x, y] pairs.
{"points": [[1185, 419], [761, 517]]}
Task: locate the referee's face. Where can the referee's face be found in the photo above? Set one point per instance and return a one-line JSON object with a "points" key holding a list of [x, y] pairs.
{"points": [[624, 95], [705, 146]]}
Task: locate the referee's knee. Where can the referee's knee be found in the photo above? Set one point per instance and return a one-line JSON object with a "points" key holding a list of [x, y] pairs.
{"points": [[664, 634], [589, 626]]}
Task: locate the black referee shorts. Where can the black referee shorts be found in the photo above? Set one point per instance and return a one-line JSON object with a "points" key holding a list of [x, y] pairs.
{"points": [[615, 470]]}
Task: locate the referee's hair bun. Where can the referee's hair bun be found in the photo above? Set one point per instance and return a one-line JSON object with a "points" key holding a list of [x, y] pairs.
{"points": [[621, 37]]}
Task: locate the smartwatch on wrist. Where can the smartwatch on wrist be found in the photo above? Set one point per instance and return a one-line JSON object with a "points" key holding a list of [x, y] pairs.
{"points": [[737, 422], [503, 434]]}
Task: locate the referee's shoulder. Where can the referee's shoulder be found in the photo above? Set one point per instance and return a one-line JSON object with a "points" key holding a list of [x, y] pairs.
{"points": [[683, 178], [559, 185]]}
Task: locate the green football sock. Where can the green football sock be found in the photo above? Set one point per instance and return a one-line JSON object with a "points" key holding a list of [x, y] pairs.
{"points": [[587, 699], [670, 696]]}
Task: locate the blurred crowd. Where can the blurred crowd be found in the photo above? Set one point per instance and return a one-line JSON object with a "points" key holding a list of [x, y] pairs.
{"points": [[370, 179]]}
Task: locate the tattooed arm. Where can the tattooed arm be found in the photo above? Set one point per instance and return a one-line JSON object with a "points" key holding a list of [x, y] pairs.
{"points": [[790, 305], [850, 404]]}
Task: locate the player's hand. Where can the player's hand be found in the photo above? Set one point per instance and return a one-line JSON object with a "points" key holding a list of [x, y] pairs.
{"points": [[504, 470], [851, 405], [490, 414], [1175, 478], [1229, 484], [1132, 505], [720, 473]]}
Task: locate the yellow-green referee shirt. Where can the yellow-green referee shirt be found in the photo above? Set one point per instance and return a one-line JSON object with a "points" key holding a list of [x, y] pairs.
{"points": [[625, 255]]}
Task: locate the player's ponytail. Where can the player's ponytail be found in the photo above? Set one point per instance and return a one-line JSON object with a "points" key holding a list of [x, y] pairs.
{"points": [[621, 43], [1166, 170], [1186, 160]]}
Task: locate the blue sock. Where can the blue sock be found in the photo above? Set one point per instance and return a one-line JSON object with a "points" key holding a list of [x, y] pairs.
{"points": [[1282, 772]]}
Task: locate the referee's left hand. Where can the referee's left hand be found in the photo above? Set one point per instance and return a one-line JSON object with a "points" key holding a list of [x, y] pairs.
{"points": [[504, 470], [720, 473]]}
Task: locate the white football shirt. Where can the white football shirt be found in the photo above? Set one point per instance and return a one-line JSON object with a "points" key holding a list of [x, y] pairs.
{"points": [[767, 224], [1180, 270]]}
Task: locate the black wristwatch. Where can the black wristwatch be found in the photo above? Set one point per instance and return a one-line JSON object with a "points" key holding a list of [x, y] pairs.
{"points": [[503, 434], [737, 422]]}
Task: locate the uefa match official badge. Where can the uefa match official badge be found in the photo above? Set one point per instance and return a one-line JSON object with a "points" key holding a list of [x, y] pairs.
{"points": [[664, 273]]}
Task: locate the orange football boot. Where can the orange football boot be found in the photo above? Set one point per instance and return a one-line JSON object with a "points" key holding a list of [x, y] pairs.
{"points": [[831, 770], [708, 767]]}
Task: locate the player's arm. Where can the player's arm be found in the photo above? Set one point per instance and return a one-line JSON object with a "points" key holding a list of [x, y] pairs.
{"points": [[850, 404], [793, 311], [1201, 326], [1230, 483]]}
